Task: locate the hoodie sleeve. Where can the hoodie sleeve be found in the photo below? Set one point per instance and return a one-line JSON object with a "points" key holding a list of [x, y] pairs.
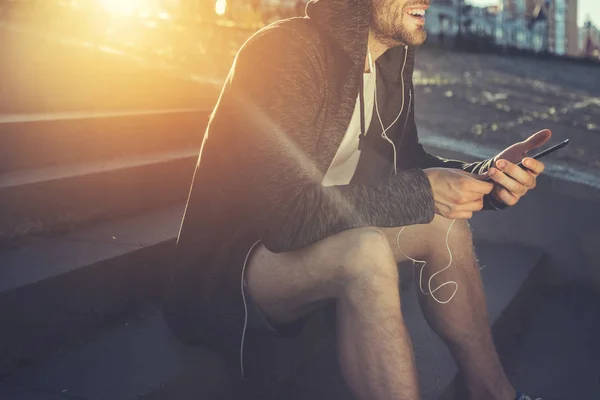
{"points": [[415, 155], [274, 94]]}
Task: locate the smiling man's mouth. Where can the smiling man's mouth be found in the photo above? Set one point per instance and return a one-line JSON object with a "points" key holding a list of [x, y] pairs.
{"points": [[417, 13]]}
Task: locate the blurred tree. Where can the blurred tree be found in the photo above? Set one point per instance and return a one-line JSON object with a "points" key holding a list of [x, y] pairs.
{"points": [[537, 13], [589, 47]]}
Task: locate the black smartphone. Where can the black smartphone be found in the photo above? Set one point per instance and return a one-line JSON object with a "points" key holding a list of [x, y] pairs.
{"points": [[541, 154]]}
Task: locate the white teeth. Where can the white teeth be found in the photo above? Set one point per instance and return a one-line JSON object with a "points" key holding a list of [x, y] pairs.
{"points": [[417, 12]]}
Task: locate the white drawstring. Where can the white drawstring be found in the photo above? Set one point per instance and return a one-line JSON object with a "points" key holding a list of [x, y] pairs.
{"points": [[384, 129]]}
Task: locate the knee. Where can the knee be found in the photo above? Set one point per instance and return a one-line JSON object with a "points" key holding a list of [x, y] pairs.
{"points": [[368, 255], [459, 237]]}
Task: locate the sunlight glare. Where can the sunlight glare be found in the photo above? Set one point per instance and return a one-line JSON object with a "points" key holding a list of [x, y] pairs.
{"points": [[220, 7], [122, 7]]}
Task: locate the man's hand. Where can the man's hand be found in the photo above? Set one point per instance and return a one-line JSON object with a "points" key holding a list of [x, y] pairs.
{"points": [[511, 181], [457, 194]]}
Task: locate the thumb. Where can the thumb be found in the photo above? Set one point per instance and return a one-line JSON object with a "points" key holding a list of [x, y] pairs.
{"points": [[537, 139]]}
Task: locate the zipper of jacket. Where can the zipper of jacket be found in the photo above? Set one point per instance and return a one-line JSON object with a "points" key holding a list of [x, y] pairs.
{"points": [[383, 133]]}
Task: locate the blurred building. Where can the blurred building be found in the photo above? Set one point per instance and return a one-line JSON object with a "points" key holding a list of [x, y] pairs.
{"points": [[442, 18], [562, 26], [541, 24], [523, 24], [535, 25], [445, 17], [481, 21]]}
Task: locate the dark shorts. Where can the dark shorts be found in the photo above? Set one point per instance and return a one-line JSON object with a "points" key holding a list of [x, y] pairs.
{"points": [[258, 323]]}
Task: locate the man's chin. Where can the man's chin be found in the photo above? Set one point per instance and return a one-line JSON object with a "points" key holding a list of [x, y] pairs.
{"points": [[415, 38]]}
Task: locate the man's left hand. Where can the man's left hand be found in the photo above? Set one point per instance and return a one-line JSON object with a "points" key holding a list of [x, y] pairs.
{"points": [[511, 181]]}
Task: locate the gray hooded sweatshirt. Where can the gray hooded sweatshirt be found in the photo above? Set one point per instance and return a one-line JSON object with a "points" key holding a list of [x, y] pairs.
{"points": [[280, 118]]}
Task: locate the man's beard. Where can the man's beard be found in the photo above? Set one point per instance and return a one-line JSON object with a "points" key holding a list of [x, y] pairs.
{"points": [[388, 25]]}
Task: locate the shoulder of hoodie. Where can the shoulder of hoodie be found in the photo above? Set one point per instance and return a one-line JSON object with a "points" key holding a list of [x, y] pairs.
{"points": [[294, 41]]}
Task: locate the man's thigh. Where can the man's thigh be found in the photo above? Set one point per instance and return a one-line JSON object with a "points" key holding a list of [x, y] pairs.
{"points": [[422, 241], [286, 286]]}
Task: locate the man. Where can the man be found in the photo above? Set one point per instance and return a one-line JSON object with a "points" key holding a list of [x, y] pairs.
{"points": [[309, 171]]}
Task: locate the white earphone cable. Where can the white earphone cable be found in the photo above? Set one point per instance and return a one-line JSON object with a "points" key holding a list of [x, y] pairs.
{"points": [[431, 292], [245, 308], [384, 129], [384, 135]]}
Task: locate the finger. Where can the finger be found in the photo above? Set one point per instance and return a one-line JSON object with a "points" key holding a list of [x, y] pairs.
{"points": [[480, 177], [471, 206], [465, 197], [517, 173], [537, 139], [507, 182], [535, 166], [506, 197], [459, 215], [476, 184]]}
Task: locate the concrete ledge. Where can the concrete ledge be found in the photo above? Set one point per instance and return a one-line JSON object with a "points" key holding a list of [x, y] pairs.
{"points": [[54, 199], [53, 290], [39, 140]]}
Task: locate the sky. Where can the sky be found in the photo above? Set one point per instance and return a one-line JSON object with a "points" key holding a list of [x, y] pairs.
{"points": [[585, 7]]}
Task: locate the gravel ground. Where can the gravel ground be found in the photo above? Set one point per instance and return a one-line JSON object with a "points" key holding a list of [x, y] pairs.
{"points": [[498, 100]]}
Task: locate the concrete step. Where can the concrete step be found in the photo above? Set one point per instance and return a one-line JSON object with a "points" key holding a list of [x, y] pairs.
{"points": [[124, 361], [39, 140], [139, 358], [8, 391], [515, 283], [63, 197], [54, 289], [557, 357]]}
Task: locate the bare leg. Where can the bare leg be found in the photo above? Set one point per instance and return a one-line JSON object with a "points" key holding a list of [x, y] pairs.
{"points": [[375, 349], [356, 268], [463, 322]]}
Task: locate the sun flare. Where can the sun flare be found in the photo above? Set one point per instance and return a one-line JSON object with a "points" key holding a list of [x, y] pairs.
{"points": [[221, 7], [123, 7]]}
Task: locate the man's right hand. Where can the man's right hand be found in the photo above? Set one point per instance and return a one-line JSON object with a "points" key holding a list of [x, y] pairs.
{"points": [[457, 194]]}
